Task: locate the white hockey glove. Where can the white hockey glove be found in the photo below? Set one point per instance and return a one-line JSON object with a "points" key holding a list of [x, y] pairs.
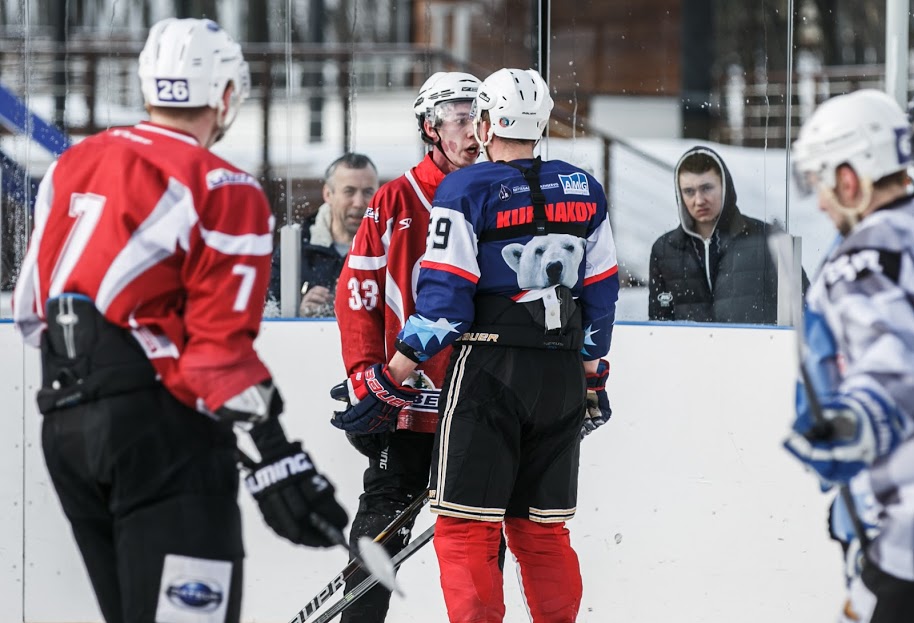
{"points": [[842, 529], [860, 427], [256, 404]]}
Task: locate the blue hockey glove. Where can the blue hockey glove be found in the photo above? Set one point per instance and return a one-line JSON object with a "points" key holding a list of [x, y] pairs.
{"points": [[861, 426], [374, 399], [598, 410]]}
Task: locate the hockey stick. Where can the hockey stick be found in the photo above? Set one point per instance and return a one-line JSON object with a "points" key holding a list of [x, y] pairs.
{"points": [[781, 246], [368, 583], [369, 554], [339, 581]]}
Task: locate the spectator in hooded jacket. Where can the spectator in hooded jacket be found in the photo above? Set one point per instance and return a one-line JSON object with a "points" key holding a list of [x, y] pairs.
{"points": [[716, 266], [350, 182]]}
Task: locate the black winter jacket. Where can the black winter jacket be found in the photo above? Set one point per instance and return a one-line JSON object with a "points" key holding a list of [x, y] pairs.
{"points": [[729, 278]]}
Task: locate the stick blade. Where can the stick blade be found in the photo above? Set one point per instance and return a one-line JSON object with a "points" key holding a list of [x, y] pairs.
{"points": [[378, 563]]}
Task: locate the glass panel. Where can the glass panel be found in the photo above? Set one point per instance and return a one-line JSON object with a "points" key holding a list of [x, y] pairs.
{"points": [[839, 47], [636, 84]]}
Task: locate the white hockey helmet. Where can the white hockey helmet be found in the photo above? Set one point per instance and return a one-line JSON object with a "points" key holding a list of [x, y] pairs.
{"points": [[188, 63], [866, 130], [518, 102], [441, 87]]}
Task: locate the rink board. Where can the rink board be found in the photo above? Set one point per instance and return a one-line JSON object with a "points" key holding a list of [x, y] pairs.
{"points": [[689, 510]]}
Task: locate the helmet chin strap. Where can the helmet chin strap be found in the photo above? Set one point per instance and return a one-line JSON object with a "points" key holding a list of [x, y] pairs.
{"points": [[482, 144], [221, 125], [437, 145]]}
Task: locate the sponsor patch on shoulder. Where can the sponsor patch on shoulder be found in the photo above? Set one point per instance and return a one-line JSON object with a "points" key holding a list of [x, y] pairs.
{"points": [[130, 136], [224, 177], [575, 184]]}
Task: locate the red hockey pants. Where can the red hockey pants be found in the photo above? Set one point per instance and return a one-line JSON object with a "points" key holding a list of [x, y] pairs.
{"points": [[472, 583]]}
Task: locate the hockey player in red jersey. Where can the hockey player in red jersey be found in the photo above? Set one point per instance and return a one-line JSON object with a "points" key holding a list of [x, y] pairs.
{"points": [[520, 275], [376, 294], [143, 285]]}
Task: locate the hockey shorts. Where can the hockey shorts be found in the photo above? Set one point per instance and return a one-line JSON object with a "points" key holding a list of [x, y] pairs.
{"points": [[508, 435]]}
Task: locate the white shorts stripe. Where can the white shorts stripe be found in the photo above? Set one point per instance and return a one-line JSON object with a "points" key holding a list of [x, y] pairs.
{"points": [[446, 416]]}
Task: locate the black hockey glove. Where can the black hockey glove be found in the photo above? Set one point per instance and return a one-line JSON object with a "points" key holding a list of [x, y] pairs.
{"points": [[370, 446], [289, 489], [375, 400], [598, 410]]}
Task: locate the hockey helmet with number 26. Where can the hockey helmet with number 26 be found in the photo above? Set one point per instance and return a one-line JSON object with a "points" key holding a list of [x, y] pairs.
{"points": [[188, 63], [866, 130]]}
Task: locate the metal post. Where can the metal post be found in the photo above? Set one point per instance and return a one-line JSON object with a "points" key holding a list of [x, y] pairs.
{"points": [[789, 293], [314, 80], [290, 270], [543, 38], [896, 50]]}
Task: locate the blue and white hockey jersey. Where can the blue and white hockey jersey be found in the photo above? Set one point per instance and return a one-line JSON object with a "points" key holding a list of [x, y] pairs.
{"points": [[481, 241]]}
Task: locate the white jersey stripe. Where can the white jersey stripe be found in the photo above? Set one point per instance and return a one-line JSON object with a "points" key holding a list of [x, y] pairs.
{"points": [[246, 244], [365, 262], [393, 297], [419, 195], [27, 311], [146, 127], [166, 227]]}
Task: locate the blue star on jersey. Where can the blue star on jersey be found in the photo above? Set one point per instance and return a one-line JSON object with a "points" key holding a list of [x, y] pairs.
{"points": [[588, 338], [425, 329]]}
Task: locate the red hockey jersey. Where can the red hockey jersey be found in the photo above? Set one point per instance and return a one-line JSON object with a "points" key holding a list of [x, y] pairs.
{"points": [[376, 291], [169, 241]]}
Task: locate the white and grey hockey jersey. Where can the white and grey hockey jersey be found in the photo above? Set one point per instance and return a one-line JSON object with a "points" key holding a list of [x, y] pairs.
{"points": [[865, 293]]}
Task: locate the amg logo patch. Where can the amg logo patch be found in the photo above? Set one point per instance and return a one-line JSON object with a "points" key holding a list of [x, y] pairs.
{"points": [[575, 184]]}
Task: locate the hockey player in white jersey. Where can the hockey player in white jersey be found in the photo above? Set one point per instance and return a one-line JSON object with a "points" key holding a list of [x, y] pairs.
{"points": [[855, 152]]}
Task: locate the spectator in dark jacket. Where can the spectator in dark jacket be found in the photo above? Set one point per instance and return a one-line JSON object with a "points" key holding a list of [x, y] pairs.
{"points": [[349, 184], [714, 267]]}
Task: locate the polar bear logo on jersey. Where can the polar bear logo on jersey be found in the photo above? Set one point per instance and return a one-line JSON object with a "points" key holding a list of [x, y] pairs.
{"points": [[546, 261]]}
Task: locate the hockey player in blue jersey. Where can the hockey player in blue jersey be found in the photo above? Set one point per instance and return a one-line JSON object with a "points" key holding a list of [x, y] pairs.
{"points": [[854, 152], [520, 275]]}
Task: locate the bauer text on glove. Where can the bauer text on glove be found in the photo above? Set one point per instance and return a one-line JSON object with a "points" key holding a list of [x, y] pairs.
{"points": [[374, 400]]}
